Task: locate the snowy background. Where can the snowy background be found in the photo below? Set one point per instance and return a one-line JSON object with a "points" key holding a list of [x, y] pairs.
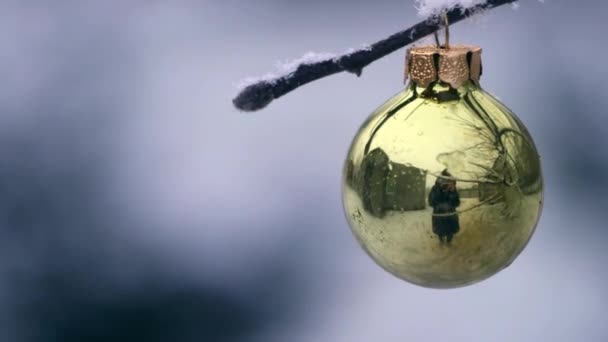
{"points": [[137, 205]]}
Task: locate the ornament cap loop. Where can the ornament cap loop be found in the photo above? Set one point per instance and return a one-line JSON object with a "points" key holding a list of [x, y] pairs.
{"points": [[454, 66]]}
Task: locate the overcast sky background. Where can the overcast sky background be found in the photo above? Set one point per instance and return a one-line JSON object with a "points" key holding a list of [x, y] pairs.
{"points": [[136, 204]]}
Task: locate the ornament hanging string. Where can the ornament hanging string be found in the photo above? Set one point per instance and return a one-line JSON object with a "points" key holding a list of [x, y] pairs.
{"points": [[258, 95]]}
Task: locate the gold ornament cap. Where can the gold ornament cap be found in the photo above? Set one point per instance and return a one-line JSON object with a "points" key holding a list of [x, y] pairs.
{"points": [[454, 65]]}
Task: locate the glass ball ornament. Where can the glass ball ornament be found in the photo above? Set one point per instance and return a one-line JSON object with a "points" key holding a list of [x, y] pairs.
{"points": [[442, 184]]}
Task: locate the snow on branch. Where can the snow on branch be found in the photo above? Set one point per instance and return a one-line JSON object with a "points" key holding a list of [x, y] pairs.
{"points": [[287, 68], [257, 93], [428, 8]]}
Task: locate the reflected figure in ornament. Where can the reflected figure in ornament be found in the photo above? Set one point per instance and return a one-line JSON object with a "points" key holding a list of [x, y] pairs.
{"points": [[444, 199]]}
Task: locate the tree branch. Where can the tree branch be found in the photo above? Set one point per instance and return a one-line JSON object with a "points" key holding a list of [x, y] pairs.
{"points": [[259, 95]]}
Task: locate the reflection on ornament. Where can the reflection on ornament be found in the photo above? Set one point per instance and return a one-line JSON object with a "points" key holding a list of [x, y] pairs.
{"points": [[442, 184]]}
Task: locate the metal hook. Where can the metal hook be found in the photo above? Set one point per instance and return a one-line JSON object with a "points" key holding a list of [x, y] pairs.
{"points": [[447, 32]]}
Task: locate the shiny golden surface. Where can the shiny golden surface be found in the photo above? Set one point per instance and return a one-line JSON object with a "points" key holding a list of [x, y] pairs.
{"points": [[442, 187]]}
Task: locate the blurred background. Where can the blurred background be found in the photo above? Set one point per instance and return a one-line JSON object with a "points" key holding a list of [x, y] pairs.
{"points": [[136, 204]]}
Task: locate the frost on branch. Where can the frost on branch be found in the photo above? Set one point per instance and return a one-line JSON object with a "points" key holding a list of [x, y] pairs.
{"points": [[433, 8], [429, 8], [257, 92], [288, 67]]}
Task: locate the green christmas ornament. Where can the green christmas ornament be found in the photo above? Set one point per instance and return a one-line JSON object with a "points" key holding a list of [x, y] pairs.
{"points": [[442, 184]]}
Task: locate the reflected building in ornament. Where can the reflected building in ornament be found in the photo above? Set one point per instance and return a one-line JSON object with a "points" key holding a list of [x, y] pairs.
{"points": [[385, 185]]}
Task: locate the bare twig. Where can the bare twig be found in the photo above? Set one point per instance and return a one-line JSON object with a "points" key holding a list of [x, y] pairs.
{"points": [[259, 95]]}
